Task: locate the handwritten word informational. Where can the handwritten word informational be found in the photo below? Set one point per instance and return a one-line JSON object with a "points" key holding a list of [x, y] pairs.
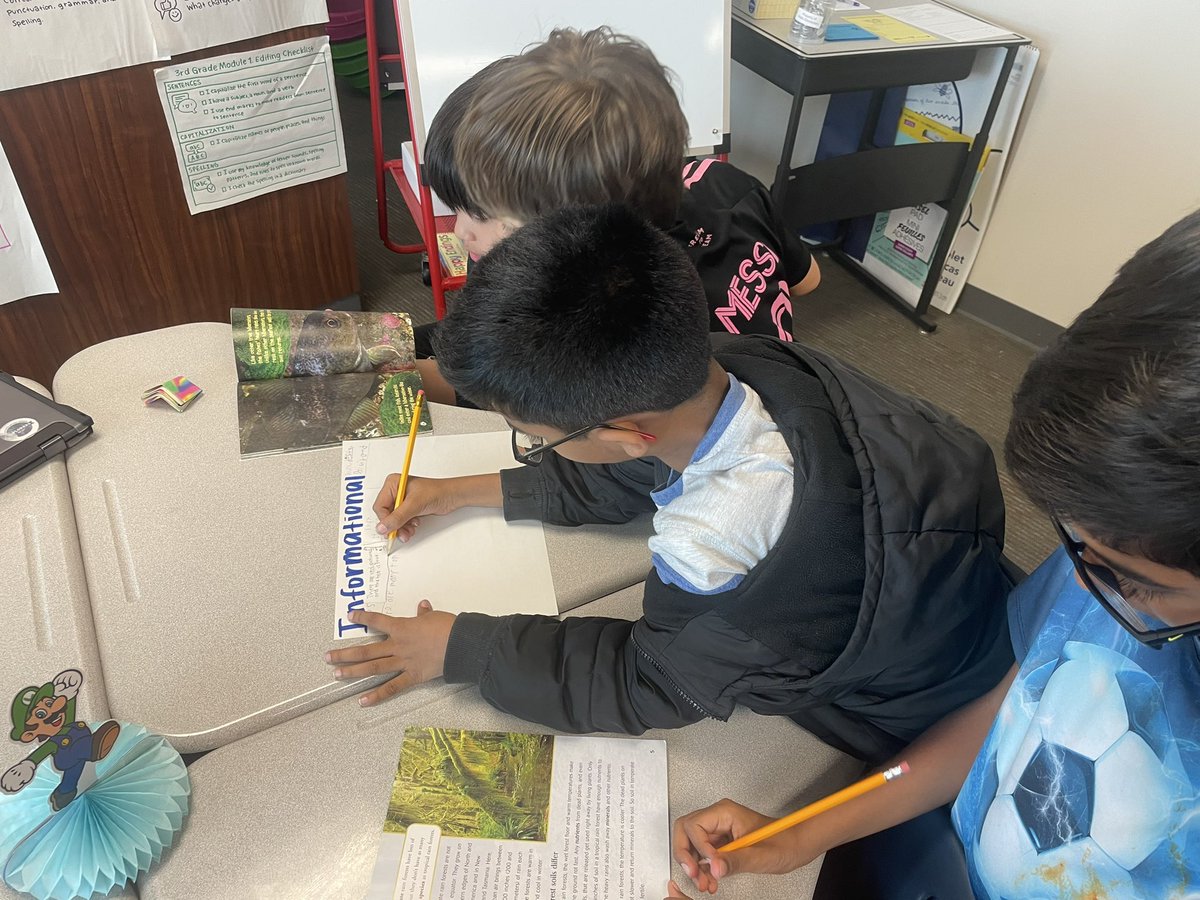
{"points": [[24, 270], [184, 25], [45, 40], [250, 123]]}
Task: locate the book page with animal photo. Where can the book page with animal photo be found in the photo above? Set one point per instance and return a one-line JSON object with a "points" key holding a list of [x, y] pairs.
{"points": [[471, 560], [315, 378], [480, 815]]}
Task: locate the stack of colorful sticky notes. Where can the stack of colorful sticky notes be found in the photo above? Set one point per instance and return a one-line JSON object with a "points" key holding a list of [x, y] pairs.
{"points": [[178, 392]]}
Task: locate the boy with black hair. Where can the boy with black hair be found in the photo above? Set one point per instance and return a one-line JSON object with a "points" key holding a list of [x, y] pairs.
{"points": [[824, 548], [1079, 775]]}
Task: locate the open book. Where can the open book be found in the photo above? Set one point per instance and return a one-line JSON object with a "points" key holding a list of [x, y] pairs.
{"points": [[499, 816], [315, 378]]}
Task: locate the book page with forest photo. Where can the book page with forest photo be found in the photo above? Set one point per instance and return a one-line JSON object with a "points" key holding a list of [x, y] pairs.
{"points": [[481, 815], [315, 378]]}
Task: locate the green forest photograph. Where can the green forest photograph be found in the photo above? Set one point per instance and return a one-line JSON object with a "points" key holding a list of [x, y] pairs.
{"points": [[473, 784]]}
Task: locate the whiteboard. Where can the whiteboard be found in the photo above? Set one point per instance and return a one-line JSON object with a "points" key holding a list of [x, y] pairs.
{"points": [[444, 44]]}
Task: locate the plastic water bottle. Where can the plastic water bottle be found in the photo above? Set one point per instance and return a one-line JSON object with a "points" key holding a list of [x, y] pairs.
{"points": [[812, 19]]}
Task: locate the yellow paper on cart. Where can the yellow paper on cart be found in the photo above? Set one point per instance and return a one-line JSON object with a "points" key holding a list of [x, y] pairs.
{"points": [[891, 29]]}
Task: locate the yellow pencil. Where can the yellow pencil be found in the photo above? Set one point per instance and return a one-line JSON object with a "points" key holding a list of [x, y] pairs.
{"points": [[879, 779], [412, 440]]}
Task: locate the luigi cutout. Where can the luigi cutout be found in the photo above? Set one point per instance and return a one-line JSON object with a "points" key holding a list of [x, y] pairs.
{"points": [[46, 714]]}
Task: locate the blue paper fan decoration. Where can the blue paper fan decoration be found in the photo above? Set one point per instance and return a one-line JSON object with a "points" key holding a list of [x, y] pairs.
{"points": [[112, 832]]}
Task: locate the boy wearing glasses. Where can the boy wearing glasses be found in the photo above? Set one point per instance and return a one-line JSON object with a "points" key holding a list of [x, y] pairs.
{"points": [[824, 548], [1079, 775]]}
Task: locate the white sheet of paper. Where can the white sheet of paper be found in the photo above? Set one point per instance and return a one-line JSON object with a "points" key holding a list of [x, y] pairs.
{"points": [[250, 123], [46, 41], [184, 25], [469, 561], [947, 22], [24, 270]]}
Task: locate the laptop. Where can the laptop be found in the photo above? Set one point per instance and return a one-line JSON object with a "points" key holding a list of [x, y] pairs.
{"points": [[33, 429]]}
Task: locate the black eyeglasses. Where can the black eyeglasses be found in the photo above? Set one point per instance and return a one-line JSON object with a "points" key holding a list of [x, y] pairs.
{"points": [[1106, 588], [529, 449]]}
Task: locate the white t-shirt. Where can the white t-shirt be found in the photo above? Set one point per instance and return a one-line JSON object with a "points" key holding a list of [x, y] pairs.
{"points": [[718, 518]]}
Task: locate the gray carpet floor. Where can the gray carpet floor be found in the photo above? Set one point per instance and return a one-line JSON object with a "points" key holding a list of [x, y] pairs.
{"points": [[965, 367]]}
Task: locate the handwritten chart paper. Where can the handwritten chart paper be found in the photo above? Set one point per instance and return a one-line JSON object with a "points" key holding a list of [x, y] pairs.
{"points": [[184, 25], [469, 561], [24, 270], [250, 123], [486, 815], [44, 41]]}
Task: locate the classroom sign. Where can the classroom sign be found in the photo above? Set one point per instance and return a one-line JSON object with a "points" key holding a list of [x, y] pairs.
{"points": [[246, 124], [42, 41], [181, 26], [24, 270], [47, 41]]}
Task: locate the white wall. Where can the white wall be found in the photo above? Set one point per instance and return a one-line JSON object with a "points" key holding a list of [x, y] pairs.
{"points": [[1107, 155]]}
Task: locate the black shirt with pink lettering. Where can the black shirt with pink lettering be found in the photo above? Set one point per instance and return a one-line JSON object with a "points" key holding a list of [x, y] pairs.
{"points": [[746, 258]]}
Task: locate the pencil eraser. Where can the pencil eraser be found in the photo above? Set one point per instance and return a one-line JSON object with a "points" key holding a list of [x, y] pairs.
{"points": [[904, 768]]}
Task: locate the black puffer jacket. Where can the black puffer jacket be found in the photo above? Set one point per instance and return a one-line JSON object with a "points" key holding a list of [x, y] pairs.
{"points": [[880, 609]]}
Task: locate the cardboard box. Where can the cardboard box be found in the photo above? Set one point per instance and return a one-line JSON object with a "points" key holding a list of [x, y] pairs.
{"points": [[767, 9]]}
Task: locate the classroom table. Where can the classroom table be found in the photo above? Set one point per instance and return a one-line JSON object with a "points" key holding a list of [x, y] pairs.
{"points": [[44, 604], [296, 810], [48, 620], [211, 578], [873, 179]]}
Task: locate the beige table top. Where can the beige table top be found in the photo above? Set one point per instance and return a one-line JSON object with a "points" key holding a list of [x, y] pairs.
{"points": [[296, 811], [211, 578], [44, 603]]}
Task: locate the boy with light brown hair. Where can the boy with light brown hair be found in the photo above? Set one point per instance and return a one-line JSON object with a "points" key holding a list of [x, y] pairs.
{"points": [[592, 118]]}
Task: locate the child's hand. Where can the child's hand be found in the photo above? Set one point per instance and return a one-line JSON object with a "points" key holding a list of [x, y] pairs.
{"points": [[432, 497], [423, 497], [415, 648], [699, 835]]}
